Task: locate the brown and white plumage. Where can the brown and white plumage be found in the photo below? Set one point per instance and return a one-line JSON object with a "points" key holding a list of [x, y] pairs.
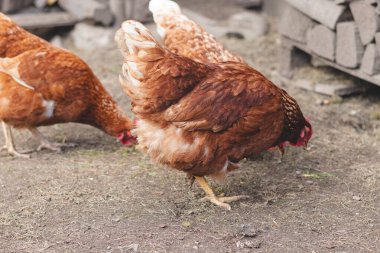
{"points": [[42, 85], [203, 119], [185, 37]]}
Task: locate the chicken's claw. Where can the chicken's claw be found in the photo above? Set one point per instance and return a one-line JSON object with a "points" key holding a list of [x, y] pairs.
{"points": [[46, 144], [9, 144], [220, 200], [13, 152], [54, 146]]}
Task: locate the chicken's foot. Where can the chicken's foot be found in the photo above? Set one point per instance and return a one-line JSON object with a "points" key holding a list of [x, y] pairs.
{"points": [[46, 144], [220, 200], [9, 143]]}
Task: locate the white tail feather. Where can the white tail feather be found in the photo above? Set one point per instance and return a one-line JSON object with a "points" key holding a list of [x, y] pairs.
{"points": [[166, 13], [156, 6], [135, 41]]}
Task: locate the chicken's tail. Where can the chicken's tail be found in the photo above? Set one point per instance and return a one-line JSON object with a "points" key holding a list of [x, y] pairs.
{"points": [[139, 48], [167, 13], [158, 7]]}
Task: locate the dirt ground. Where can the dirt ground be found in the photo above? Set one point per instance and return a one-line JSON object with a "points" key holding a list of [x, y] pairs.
{"points": [[102, 197]]}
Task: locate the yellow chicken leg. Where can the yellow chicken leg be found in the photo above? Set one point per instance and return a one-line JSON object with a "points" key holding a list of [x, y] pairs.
{"points": [[219, 201], [9, 144], [46, 144]]}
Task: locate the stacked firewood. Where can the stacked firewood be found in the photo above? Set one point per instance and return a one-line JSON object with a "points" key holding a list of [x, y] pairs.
{"points": [[344, 34], [8, 6], [52, 13]]}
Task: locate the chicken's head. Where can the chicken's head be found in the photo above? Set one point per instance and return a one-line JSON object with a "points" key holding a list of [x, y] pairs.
{"points": [[127, 139], [305, 135], [302, 140]]}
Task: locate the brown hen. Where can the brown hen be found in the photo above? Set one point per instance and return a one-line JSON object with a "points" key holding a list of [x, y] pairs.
{"points": [[203, 119], [42, 85], [185, 37]]}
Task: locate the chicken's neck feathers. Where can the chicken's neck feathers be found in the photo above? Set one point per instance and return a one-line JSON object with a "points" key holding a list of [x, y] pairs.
{"points": [[107, 115], [293, 117]]}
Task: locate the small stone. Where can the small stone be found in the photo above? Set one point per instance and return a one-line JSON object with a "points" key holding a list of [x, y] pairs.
{"points": [[353, 112], [323, 102], [186, 224], [163, 226], [247, 231], [336, 99], [357, 198], [116, 219], [252, 244], [309, 182], [134, 247], [240, 245]]}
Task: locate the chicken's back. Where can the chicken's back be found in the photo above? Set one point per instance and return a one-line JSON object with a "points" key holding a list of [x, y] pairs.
{"points": [[45, 86], [14, 40], [184, 37], [48, 85]]}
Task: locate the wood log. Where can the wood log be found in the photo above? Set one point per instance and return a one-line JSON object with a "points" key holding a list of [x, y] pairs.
{"points": [[322, 41], [290, 58], [40, 3], [366, 19], [349, 50], [43, 20], [250, 3], [323, 11], [371, 2], [294, 24], [9, 6], [343, 1], [378, 7], [354, 72], [339, 89], [371, 60], [118, 9], [274, 8], [377, 40]]}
